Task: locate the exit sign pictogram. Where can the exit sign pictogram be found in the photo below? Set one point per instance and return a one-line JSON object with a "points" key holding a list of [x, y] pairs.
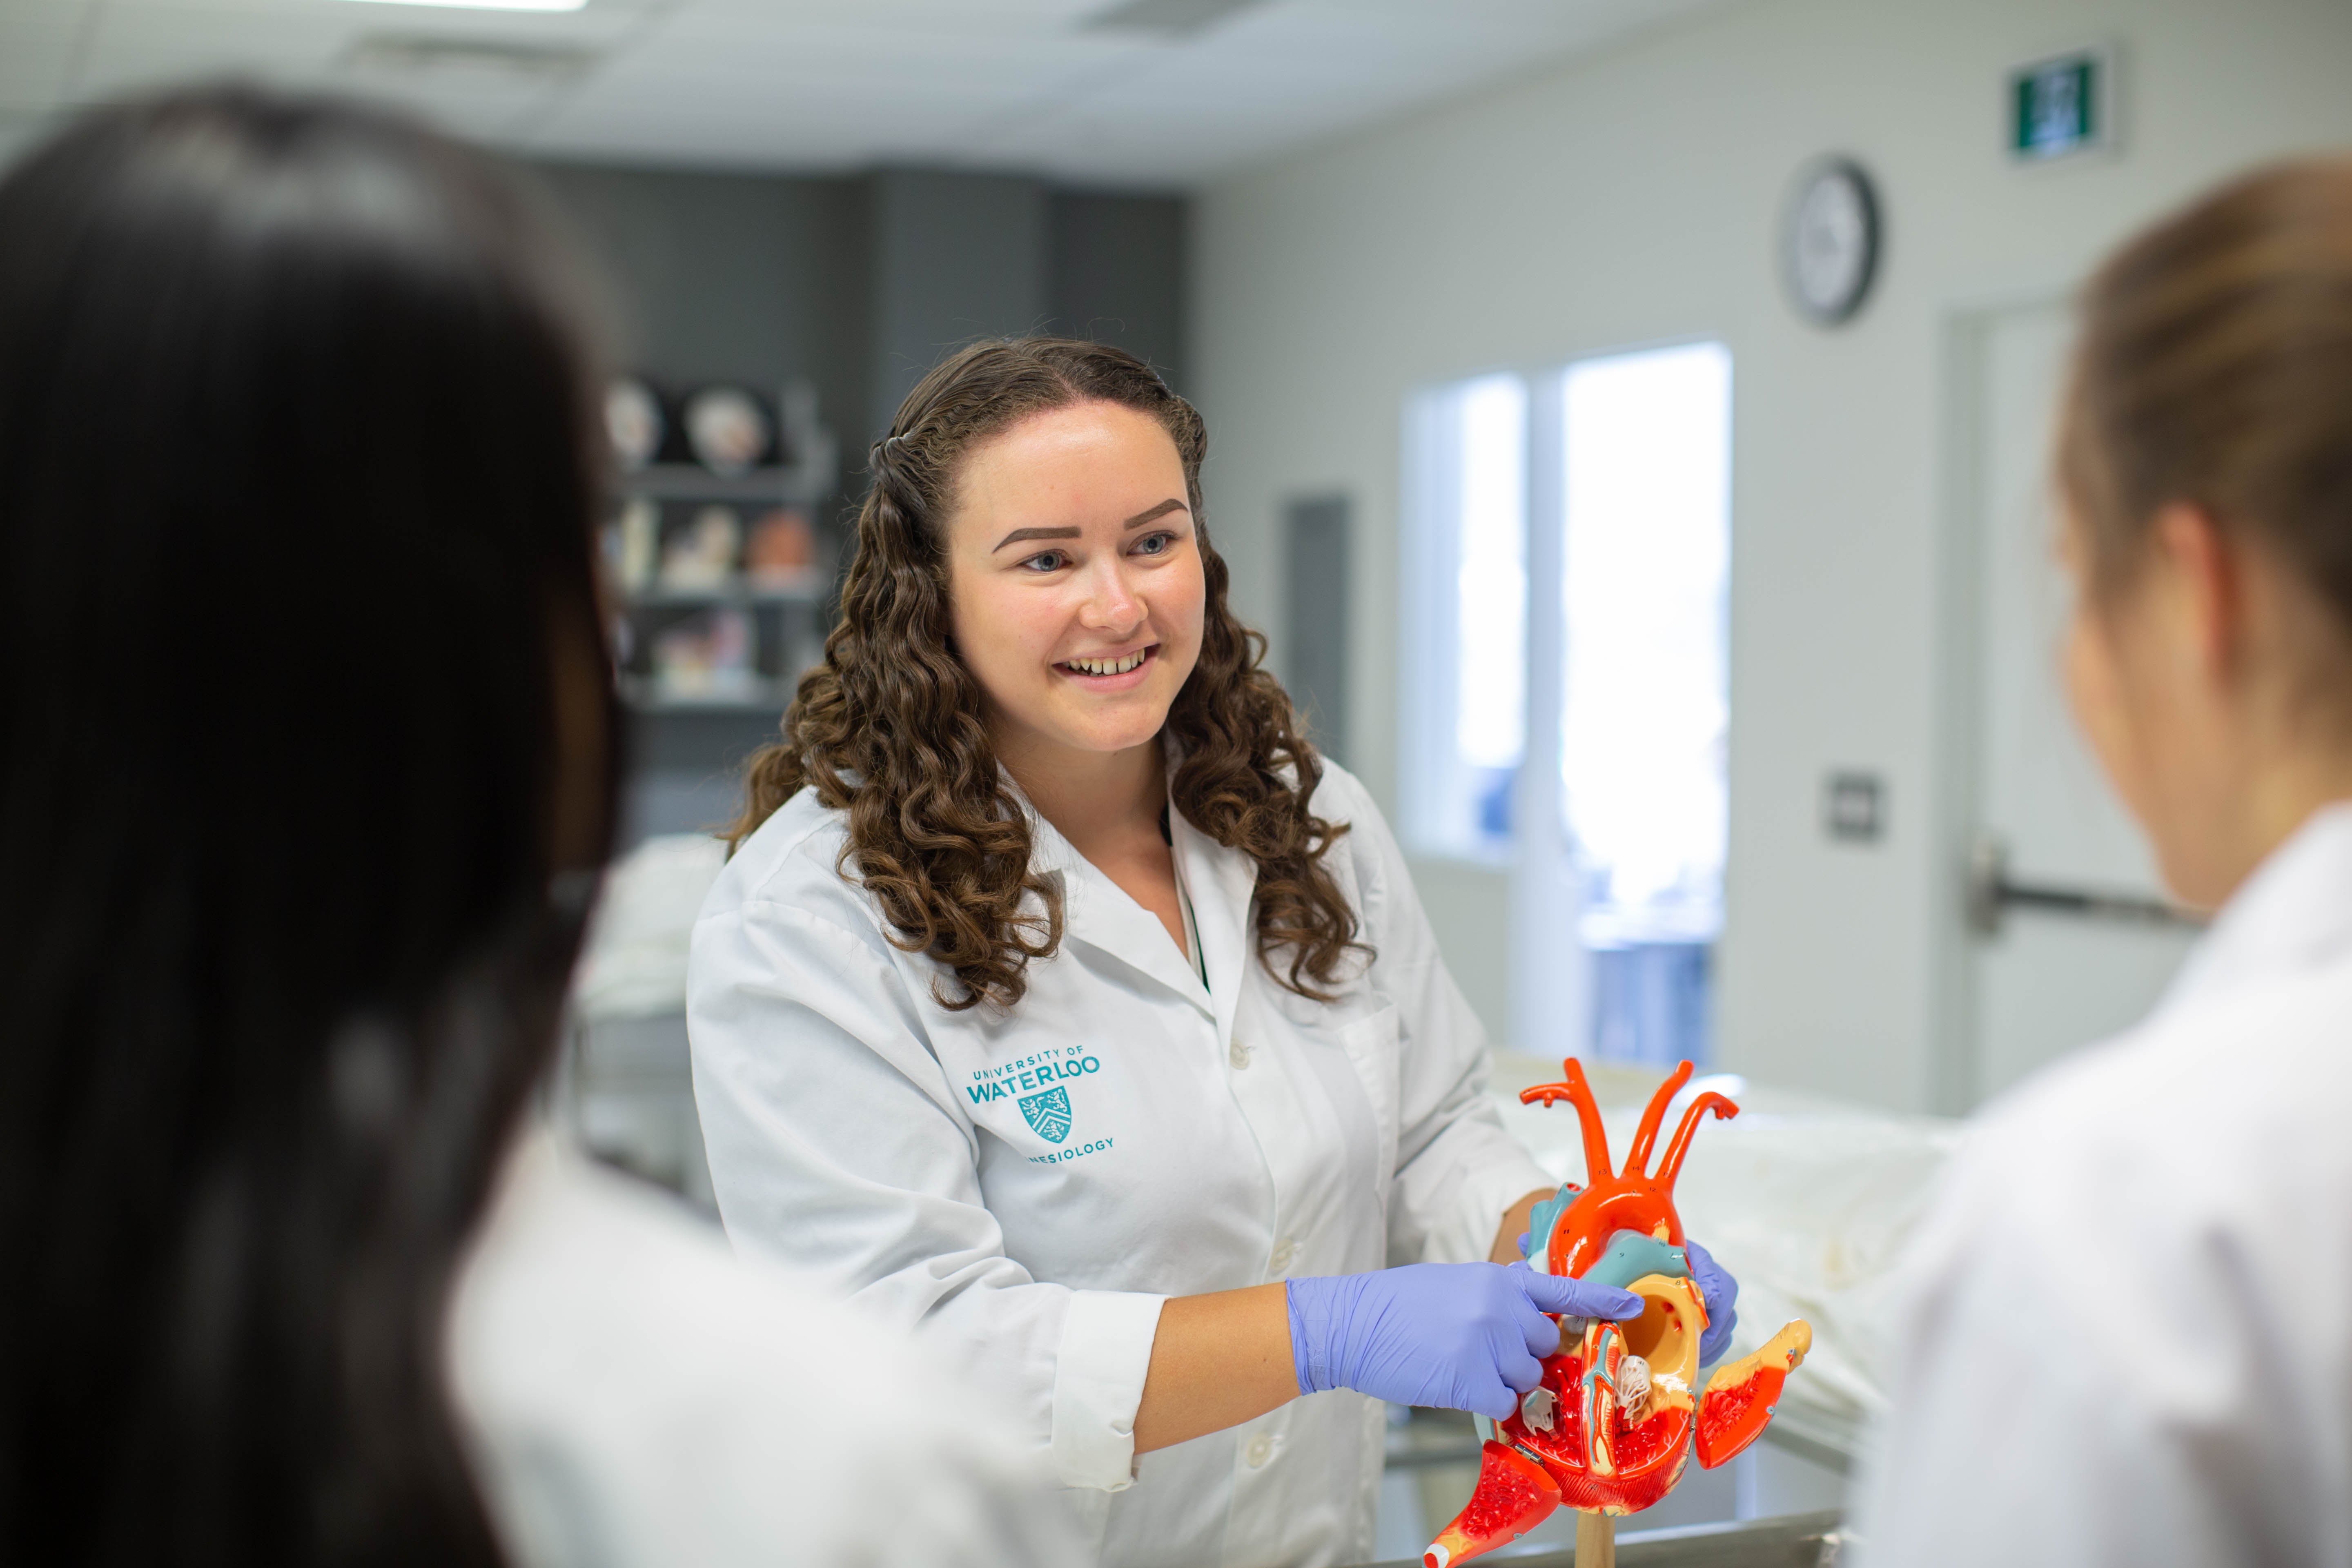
{"points": [[2061, 106]]}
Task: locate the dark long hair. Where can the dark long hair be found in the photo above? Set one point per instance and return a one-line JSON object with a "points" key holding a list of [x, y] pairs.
{"points": [[891, 727], [306, 761]]}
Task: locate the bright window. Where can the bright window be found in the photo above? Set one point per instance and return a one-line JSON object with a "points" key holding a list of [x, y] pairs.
{"points": [[1466, 596], [1617, 865], [1645, 681]]}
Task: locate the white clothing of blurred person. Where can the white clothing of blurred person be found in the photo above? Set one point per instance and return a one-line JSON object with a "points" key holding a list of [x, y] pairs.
{"points": [[637, 1394], [2127, 1336], [306, 805]]}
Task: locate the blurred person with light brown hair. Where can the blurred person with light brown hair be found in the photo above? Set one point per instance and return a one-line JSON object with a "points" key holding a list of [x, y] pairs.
{"points": [[308, 763], [2128, 1333]]}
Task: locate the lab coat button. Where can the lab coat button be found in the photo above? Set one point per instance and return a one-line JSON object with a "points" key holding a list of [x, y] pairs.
{"points": [[1238, 1053], [1260, 1449], [1283, 1253]]}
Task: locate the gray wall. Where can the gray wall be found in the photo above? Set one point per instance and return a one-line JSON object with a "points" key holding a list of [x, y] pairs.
{"points": [[1317, 545], [858, 285], [861, 284], [956, 257], [1633, 197], [748, 278], [1119, 273], [959, 257]]}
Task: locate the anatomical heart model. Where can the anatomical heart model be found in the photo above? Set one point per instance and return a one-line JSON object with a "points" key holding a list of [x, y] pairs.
{"points": [[1619, 1408]]}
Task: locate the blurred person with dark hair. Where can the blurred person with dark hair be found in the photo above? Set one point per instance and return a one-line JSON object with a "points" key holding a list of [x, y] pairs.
{"points": [[2128, 1333], [308, 763]]}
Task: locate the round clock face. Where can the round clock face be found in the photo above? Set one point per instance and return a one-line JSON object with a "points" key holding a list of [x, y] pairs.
{"points": [[1832, 244]]}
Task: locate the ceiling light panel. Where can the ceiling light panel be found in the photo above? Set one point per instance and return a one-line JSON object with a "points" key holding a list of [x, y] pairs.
{"points": [[1007, 18], [409, 55], [816, 94], [1170, 18], [832, 109], [481, 5]]}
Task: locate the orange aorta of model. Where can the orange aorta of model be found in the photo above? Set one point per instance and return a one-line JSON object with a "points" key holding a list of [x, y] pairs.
{"points": [[1622, 1406]]}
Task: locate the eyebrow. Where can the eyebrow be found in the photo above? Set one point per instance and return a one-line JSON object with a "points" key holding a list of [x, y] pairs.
{"points": [[1021, 534], [1163, 509], [1138, 521]]}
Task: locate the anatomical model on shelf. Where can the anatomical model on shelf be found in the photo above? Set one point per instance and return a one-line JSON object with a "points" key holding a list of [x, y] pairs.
{"points": [[1621, 1407]]}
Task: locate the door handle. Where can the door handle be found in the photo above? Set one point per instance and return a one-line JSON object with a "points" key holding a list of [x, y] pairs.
{"points": [[1992, 893]]}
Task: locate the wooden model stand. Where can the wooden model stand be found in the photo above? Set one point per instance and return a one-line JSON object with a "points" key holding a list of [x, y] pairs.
{"points": [[1596, 1539]]}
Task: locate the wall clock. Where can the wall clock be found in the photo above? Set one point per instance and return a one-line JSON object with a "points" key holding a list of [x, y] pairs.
{"points": [[1829, 247]]}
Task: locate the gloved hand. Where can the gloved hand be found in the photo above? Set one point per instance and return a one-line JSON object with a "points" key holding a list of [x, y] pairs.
{"points": [[1460, 1336], [1717, 1292]]}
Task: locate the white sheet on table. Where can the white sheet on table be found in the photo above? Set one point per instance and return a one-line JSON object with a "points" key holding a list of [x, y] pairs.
{"points": [[1807, 1200], [634, 963]]}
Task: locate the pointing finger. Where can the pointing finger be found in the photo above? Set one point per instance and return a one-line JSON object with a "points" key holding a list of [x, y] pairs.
{"points": [[1579, 1298]]}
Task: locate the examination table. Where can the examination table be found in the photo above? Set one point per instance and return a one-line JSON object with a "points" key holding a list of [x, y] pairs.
{"points": [[1807, 1199]]}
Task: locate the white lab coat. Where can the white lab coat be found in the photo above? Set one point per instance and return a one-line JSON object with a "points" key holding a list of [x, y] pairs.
{"points": [[2127, 1336], [1027, 1188], [634, 1396]]}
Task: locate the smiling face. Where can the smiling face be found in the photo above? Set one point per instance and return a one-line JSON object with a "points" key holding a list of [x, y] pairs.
{"points": [[1074, 580]]}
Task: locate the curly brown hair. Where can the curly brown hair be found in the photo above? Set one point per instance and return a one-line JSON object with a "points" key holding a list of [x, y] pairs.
{"points": [[891, 726]]}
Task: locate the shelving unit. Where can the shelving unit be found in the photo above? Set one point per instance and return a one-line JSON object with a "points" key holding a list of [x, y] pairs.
{"points": [[806, 589], [769, 486], [761, 695], [785, 613]]}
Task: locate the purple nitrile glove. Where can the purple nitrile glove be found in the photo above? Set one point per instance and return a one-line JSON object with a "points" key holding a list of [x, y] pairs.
{"points": [[1458, 1336], [1718, 1292]]}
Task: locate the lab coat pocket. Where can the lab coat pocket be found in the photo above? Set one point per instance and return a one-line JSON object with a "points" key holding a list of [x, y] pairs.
{"points": [[1371, 1045]]}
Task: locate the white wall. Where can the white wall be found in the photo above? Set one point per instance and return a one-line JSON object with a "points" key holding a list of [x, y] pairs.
{"points": [[1633, 197]]}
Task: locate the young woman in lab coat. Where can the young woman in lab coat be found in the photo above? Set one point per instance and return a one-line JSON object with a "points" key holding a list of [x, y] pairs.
{"points": [[2129, 1335], [1061, 1001], [308, 763]]}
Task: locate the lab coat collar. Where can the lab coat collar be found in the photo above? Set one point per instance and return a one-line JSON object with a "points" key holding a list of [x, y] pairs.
{"points": [[1098, 911], [1221, 882], [2293, 914]]}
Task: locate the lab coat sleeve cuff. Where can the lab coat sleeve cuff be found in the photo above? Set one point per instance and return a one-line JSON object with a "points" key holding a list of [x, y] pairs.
{"points": [[1098, 1383]]}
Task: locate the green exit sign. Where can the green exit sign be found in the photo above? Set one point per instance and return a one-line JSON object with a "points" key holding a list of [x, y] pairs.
{"points": [[2061, 106]]}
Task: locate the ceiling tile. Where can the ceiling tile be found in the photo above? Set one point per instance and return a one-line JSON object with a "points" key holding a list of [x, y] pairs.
{"points": [[35, 46], [843, 84]]}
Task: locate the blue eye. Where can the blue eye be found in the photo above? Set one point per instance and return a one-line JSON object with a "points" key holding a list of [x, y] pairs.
{"points": [[1155, 544], [1045, 560]]}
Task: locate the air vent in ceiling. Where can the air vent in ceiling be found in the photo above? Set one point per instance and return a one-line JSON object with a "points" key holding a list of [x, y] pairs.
{"points": [[1169, 18], [410, 55]]}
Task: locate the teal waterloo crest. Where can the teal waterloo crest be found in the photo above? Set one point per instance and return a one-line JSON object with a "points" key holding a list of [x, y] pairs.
{"points": [[1049, 1113]]}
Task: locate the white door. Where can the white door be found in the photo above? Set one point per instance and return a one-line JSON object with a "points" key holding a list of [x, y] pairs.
{"points": [[2049, 968]]}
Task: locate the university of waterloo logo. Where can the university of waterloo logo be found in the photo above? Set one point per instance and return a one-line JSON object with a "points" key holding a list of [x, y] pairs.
{"points": [[1049, 1113]]}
